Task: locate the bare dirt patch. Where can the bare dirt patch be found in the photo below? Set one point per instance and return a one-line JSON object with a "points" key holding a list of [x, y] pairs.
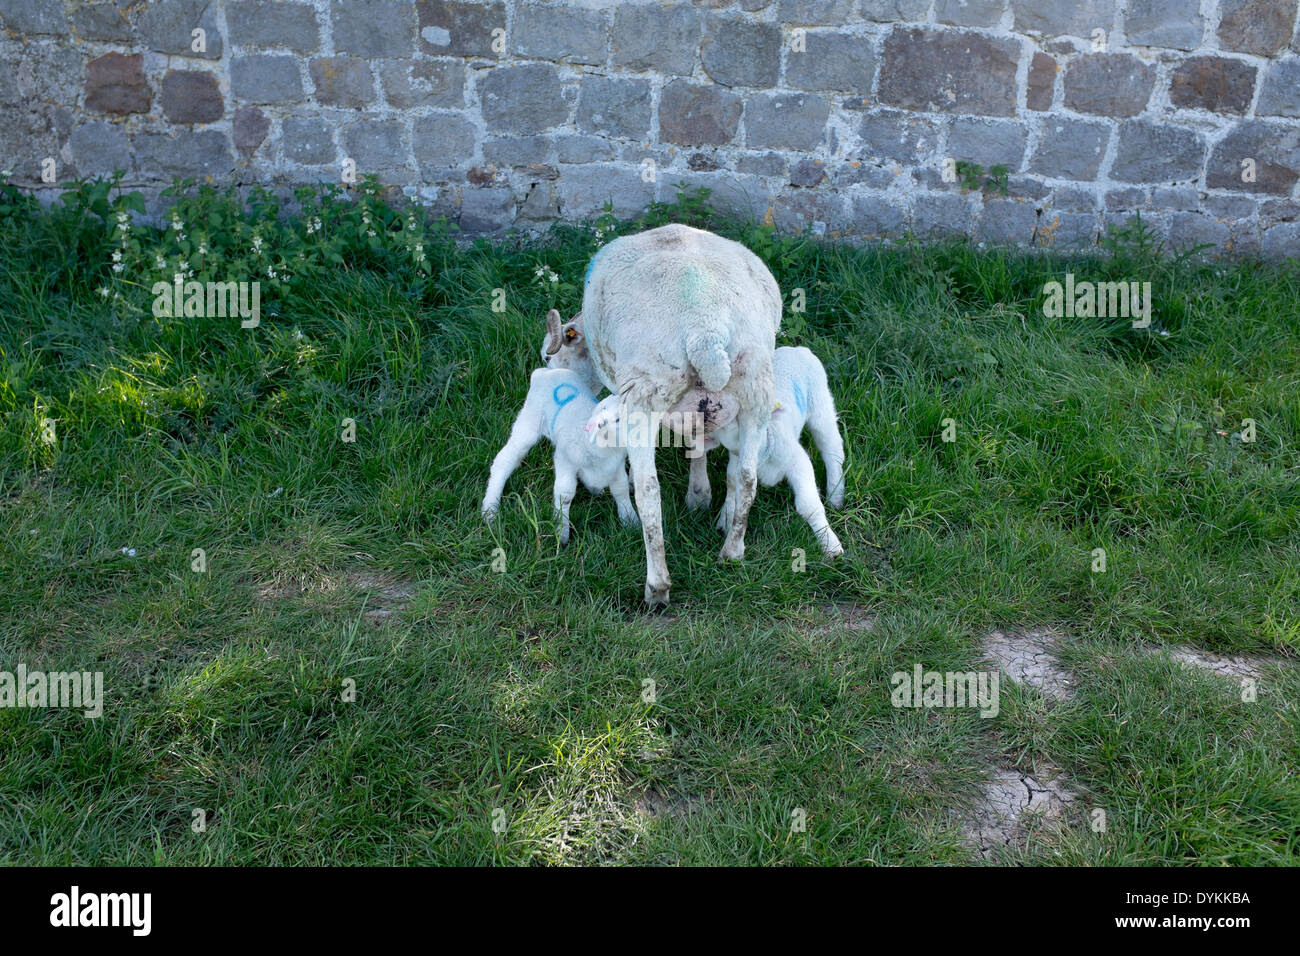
{"points": [[654, 804], [386, 595], [845, 616], [1014, 806], [1231, 666], [1028, 656]]}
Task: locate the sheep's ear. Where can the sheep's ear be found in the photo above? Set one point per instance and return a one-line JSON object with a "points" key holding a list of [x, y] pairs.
{"points": [[552, 331], [572, 334]]}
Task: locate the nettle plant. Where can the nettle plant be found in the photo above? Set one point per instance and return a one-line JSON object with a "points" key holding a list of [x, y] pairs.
{"points": [[212, 235]]}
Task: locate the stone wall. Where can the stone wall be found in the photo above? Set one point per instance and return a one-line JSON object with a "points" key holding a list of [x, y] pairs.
{"points": [[848, 117]]}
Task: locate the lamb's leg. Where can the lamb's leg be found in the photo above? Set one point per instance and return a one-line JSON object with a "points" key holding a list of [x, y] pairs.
{"points": [[808, 502], [698, 493], [723, 523], [566, 485], [751, 424], [641, 458], [619, 489], [523, 436], [826, 433]]}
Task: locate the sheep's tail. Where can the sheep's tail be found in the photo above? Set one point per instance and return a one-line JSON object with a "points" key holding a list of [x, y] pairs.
{"points": [[707, 352]]}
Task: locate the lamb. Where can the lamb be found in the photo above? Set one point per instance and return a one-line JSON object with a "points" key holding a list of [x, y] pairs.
{"points": [[803, 397], [675, 317], [558, 405]]}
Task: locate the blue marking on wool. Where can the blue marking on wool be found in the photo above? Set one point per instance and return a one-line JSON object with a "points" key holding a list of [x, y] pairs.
{"points": [[591, 265], [800, 399], [572, 393]]}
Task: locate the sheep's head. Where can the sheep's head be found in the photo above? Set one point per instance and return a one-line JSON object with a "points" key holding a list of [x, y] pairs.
{"points": [[602, 424], [566, 347]]}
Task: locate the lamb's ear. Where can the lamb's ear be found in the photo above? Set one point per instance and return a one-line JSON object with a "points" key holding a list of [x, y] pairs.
{"points": [[552, 331]]}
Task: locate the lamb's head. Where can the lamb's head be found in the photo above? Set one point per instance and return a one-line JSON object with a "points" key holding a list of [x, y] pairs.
{"points": [[603, 424], [566, 347]]}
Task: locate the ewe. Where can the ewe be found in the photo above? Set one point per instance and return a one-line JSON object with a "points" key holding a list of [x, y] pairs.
{"points": [[678, 318], [557, 408], [803, 397]]}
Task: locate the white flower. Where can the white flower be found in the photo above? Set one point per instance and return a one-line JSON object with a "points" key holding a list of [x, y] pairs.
{"points": [[104, 291], [182, 266], [257, 243], [123, 217], [117, 255], [177, 224], [118, 267], [203, 250], [370, 233], [160, 262]]}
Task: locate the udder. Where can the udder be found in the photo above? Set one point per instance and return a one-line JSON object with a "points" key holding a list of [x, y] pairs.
{"points": [[701, 412]]}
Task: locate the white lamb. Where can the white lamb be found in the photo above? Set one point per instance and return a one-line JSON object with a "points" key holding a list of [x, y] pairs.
{"points": [[678, 318], [558, 405], [803, 398]]}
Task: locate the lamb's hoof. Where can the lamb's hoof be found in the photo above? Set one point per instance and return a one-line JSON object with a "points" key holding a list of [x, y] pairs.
{"points": [[837, 501], [834, 551], [630, 520], [489, 514], [732, 552], [564, 537], [656, 595], [697, 500]]}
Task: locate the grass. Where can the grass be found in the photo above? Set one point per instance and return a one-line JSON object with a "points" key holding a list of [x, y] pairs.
{"points": [[522, 697]]}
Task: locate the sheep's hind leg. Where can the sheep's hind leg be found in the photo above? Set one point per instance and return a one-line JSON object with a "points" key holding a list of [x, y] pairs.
{"points": [[746, 485], [566, 485], [641, 458], [808, 503], [826, 434], [522, 439], [619, 489], [639, 404], [723, 523]]}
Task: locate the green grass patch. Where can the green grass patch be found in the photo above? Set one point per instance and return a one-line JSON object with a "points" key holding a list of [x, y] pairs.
{"points": [[539, 715]]}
